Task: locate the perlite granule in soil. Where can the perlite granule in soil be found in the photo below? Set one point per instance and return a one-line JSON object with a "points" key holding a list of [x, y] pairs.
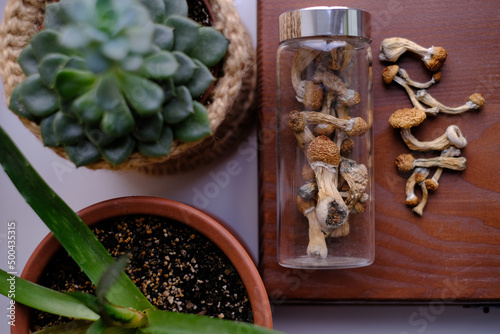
{"points": [[176, 268]]}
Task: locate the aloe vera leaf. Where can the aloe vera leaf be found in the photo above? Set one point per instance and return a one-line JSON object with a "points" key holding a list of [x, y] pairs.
{"points": [[159, 148], [98, 327], [195, 127], [161, 65], [163, 37], [83, 153], [176, 7], [17, 106], [67, 227], [119, 121], [50, 66], [65, 328], [119, 150], [37, 98], [186, 32], [186, 68], [165, 322], [71, 83], [47, 131], [201, 80], [179, 107], [144, 95], [42, 298], [148, 129], [210, 47], [28, 61], [67, 129]]}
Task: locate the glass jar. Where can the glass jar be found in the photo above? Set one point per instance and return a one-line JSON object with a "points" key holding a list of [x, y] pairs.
{"points": [[324, 139]]}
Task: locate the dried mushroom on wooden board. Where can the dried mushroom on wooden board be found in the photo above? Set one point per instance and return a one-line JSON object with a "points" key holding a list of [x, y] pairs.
{"points": [[448, 144], [334, 185]]}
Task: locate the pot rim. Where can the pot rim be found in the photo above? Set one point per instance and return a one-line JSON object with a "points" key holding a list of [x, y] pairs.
{"points": [[196, 219]]}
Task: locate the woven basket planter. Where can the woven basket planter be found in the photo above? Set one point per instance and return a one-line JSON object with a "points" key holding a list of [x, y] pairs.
{"points": [[231, 105]]}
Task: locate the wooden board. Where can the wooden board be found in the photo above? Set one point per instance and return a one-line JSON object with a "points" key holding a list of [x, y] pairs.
{"points": [[452, 253]]}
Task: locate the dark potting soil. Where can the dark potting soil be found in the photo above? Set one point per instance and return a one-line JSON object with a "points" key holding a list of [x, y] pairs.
{"points": [[176, 268]]}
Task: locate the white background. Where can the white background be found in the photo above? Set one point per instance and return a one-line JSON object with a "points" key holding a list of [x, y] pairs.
{"points": [[236, 202]]}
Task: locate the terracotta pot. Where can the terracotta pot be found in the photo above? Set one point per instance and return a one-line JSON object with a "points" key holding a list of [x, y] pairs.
{"points": [[202, 222]]}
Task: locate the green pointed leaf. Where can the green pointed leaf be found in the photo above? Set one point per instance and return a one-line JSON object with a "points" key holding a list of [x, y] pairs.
{"points": [[186, 32], [118, 121], [110, 276], [195, 127], [98, 137], [44, 299], [116, 49], [145, 96], [186, 68], [50, 66], [108, 94], [156, 9], [148, 129], [46, 42], [66, 226], [53, 18], [47, 131], [118, 151], [83, 153], [164, 37], [81, 325], [159, 148], [16, 105], [37, 98], [28, 61], [87, 109], [176, 7], [210, 47], [98, 327], [201, 80], [179, 107], [71, 83], [67, 129], [161, 65], [76, 63]]}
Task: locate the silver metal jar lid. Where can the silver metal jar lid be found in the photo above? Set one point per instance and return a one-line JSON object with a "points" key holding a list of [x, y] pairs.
{"points": [[324, 21]]}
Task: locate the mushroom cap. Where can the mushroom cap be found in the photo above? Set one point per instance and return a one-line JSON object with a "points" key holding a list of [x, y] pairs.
{"points": [[407, 118], [477, 99], [359, 128], [404, 162], [347, 146], [389, 73], [437, 76], [296, 121], [322, 149], [412, 201], [313, 96], [437, 59], [431, 184], [324, 130]]}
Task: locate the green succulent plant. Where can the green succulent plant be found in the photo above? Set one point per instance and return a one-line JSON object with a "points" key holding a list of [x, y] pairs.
{"points": [[106, 78], [118, 307]]}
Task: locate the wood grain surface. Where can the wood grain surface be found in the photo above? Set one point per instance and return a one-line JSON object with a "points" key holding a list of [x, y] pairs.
{"points": [[452, 253]]}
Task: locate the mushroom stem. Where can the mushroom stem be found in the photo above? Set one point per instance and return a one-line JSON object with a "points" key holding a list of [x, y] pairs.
{"points": [[297, 123], [342, 231], [413, 98], [302, 58], [353, 127], [392, 48], [418, 175], [475, 101], [317, 243], [406, 162], [356, 176], [433, 183], [436, 77], [452, 136], [419, 209], [333, 83]]}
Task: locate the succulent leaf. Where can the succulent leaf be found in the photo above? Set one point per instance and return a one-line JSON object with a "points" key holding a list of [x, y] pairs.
{"points": [[74, 37], [176, 7], [53, 18], [186, 32], [210, 46], [195, 127], [17, 106], [96, 62], [108, 94], [98, 137], [116, 49], [77, 11], [76, 63], [156, 9], [46, 42], [83, 153], [37, 98], [186, 68], [28, 61], [87, 109], [71, 83], [144, 95], [179, 107], [67, 129], [50, 66], [118, 121], [201, 80], [159, 148], [149, 129], [47, 131], [119, 150], [163, 37], [161, 65]]}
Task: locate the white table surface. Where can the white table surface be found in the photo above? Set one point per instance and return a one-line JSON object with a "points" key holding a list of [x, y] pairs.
{"points": [[82, 187]]}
